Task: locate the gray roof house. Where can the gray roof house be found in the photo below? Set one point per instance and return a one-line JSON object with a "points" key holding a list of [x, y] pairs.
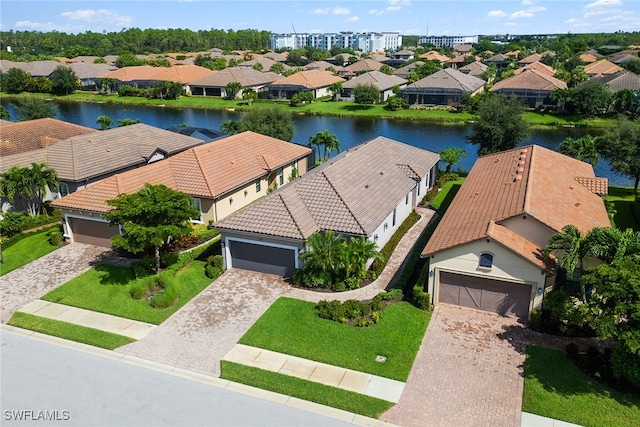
{"points": [[384, 82], [215, 84], [367, 190], [475, 69], [620, 81], [407, 69], [444, 87], [85, 159]]}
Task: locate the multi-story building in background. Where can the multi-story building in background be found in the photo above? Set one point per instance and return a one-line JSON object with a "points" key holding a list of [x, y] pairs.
{"points": [[366, 42], [451, 41]]}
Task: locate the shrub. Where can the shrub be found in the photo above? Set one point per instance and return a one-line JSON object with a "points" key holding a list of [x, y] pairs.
{"points": [[352, 282], [562, 314], [141, 287], [168, 258], [212, 272], [126, 90], [216, 261], [55, 238], [626, 365], [12, 223], [354, 312], [421, 299], [168, 295], [139, 269]]}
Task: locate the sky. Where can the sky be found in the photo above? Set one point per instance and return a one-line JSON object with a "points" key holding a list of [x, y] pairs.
{"points": [[409, 17]]}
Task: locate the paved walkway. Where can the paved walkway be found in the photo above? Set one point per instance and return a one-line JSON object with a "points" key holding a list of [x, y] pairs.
{"points": [[468, 372], [91, 319], [198, 335], [532, 420], [35, 279], [388, 276], [334, 376]]}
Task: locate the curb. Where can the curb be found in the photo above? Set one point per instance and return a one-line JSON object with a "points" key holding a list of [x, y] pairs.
{"points": [[327, 411]]}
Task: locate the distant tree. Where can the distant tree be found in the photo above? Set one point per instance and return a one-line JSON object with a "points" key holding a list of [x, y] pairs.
{"points": [[272, 121], [31, 107], [427, 68], [219, 63], [15, 80], [577, 76], [232, 89], [340, 60], [328, 142], [452, 156], [29, 183], [277, 68], [257, 66], [151, 218], [100, 60], [500, 125], [127, 122], [633, 66], [623, 100], [590, 98], [232, 127], [490, 73], [107, 84], [128, 60], [63, 80], [4, 113], [366, 93], [296, 58], [105, 122], [583, 148], [386, 69], [249, 94], [395, 103], [620, 144], [413, 77], [159, 62], [335, 89]]}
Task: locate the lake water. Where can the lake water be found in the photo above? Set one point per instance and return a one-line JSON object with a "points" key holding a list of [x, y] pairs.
{"points": [[350, 131]]}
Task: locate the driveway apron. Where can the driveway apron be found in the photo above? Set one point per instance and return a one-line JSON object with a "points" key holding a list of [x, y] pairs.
{"points": [[468, 372], [35, 279], [198, 335]]}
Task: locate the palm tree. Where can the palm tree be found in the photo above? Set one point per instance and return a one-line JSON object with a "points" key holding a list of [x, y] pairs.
{"points": [[14, 183], [28, 183], [452, 156], [583, 148], [41, 178], [573, 251], [335, 88], [611, 244], [360, 250], [324, 253], [232, 89], [328, 142], [105, 122]]}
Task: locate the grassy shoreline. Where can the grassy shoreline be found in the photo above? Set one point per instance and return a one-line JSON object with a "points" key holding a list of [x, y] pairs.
{"points": [[325, 108]]}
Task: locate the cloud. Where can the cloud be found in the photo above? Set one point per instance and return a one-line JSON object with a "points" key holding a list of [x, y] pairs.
{"points": [[376, 12], [603, 3], [527, 3], [521, 14], [46, 26], [536, 9], [497, 14], [334, 11], [99, 15], [352, 19], [394, 6]]}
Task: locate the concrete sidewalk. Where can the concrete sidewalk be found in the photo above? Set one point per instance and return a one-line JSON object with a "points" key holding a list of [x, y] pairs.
{"points": [[532, 420], [334, 376], [91, 319]]}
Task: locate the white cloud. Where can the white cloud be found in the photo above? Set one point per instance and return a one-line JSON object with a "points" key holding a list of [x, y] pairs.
{"points": [[399, 3], [340, 11], [603, 3], [527, 3], [392, 8], [376, 12], [521, 14], [99, 15], [601, 12], [536, 9], [46, 26], [320, 11], [497, 14], [352, 19], [572, 21]]}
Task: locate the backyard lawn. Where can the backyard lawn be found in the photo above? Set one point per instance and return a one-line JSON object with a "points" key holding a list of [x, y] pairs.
{"points": [[105, 289], [26, 250], [622, 199], [292, 327], [69, 331], [554, 387]]}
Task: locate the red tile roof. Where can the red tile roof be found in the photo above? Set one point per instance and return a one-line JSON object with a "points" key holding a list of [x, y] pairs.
{"points": [[531, 180], [178, 74]]}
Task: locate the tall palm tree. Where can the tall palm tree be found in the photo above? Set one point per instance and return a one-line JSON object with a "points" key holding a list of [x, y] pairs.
{"points": [[452, 156], [611, 244], [360, 250], [328, 142], [14, 183], [572, 249], [583, 149], [41, 178], [325, 252]]}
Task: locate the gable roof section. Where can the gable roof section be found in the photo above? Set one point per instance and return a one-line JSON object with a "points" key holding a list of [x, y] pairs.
{"points": [[338, 195], [380, 80], [530, 59], [537, 66], [433, 55], [21, 137], [530, 79], [448, 78], [365, 65], [602, 67], [178, 74], [531, 180], [475, 68], [520, 246], [309, 79], [208, 170], [246, 76], [98, 153]]}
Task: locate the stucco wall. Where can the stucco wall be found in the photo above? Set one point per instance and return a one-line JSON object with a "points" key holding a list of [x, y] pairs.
{"points": [[529, 228]]}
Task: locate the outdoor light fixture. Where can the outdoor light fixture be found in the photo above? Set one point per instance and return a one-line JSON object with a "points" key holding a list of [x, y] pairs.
{"points": [[386, 225], [431, 273], [230, 200], [375, 237], [540, 290]]}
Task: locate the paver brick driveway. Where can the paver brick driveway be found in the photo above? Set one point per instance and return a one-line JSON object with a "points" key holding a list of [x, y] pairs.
{"points": [[468, 372], [198, 335]]}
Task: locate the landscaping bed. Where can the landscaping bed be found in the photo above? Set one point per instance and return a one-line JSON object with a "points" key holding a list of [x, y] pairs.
{"points": [[292, 327], [554, 387]]}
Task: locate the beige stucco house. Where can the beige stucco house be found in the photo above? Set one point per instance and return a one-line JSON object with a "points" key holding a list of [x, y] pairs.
{"points": [[221, 177]]}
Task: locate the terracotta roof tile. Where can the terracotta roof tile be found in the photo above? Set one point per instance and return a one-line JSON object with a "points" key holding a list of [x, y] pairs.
{"points": [[380, 80], [531, 180], [521, 246], [310, 79], [365, 65], [340, 194], [599, 186], [179, 74], [602, 67], [529, 79], [447, 78], [208, 170], [537, 66]]}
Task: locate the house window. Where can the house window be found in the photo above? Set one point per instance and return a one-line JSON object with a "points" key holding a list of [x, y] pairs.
{"points": [[393, 221], [281, 176], [257, 185], [64, 189], [197, 203], [486, 260]]}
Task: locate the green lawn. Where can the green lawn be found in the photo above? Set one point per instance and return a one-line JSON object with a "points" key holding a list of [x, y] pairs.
{"points": [[105, 289], [26, 250], [291, 326], [622, 198], [444, 198], [303, 389], [69, 331], [554, 387]]}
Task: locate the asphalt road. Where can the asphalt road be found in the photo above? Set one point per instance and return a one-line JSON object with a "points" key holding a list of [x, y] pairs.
{"points": [[45, 384]]}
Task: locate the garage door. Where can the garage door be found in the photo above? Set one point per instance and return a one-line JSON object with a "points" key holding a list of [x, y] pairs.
{"points": [[265, 259], [92, 232], [511, 299]]}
